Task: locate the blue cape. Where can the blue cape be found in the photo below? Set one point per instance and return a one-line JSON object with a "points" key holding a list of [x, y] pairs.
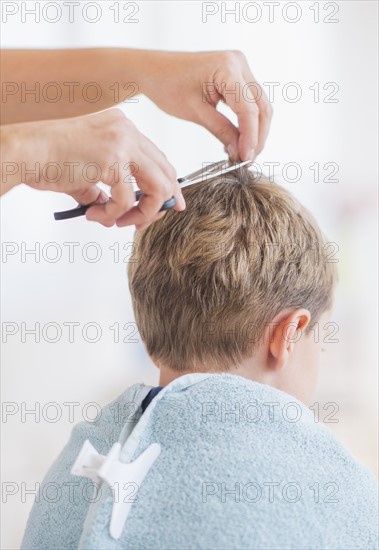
{"points": [[221, 462]]}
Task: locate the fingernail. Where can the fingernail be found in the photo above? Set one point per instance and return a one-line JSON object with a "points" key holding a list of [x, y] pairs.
{"points": [[142, 227], [232, 152], [250, 154], [181, 201], [89, 215]]}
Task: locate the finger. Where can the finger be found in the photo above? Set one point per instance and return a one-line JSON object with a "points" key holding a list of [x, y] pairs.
{"points": [[92, 194], [124, 220], [221, 127], [157, 217], [265, 115], [168, 170], [176, 192], [140, 215], [265, 112], [122, 199], [156, 188], [180, 200], [246, 109], [153, 182], [157, 156]]}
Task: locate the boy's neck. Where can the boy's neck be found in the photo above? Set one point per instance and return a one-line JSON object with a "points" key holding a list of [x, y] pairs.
{"points": [[167, 374]]}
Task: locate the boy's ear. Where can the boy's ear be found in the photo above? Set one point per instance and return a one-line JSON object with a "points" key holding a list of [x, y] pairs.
{"points": [[286, 330]]}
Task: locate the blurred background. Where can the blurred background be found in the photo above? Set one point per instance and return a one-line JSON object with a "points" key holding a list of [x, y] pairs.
{"points": [[320, 60]]}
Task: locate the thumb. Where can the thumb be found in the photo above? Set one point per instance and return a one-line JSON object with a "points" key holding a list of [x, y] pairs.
{"points": [[221, 127], [92, 194]]}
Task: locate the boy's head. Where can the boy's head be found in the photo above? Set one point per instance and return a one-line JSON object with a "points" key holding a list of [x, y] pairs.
{"points": [[234, 283]]}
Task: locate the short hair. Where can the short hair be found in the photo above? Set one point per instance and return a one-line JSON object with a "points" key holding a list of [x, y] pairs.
{"points": [[205, 282]]}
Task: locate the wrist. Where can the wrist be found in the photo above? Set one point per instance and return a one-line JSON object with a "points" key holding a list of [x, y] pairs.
{"points": [[24, 152], [145, 68], [10, 160]]}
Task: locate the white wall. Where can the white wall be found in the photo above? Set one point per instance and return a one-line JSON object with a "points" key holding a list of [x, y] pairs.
{"points": [[303, 132]]}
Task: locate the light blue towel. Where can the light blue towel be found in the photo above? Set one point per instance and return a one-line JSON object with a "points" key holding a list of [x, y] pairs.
{"points": [[58, 514], [242, 465]]}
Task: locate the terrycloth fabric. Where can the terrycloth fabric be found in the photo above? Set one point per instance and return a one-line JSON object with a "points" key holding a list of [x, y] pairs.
{"points": [[242, 465], [58, 525]]}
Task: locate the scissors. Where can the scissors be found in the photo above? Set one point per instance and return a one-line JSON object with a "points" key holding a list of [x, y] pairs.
{"points": [[206, 173]]}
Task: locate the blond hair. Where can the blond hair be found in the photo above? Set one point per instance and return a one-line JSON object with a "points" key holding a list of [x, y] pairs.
{"points": [[206, 282]]}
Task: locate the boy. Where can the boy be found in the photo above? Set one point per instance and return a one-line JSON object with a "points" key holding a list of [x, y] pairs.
{"points": [[224, 452]]}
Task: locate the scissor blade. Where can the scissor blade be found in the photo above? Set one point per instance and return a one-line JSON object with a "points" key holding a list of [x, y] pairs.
{"points": [[211, 173], [213, 166]]}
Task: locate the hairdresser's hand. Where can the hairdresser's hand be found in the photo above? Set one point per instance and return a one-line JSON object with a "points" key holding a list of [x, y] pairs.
{"points": [[104, 147], [189, 86]]}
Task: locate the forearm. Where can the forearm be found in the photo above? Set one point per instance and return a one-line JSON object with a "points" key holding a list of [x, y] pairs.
{"points": [[50, 84]]}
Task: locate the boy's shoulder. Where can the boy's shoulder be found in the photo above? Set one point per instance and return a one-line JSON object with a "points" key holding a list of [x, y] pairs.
{"points": [[121, 414], [216, 432], [241, 461], [59, 523], [232, 412]]}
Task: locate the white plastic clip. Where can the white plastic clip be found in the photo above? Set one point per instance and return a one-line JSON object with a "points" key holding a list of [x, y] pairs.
{"points": [[118, 475], [88, 462]]}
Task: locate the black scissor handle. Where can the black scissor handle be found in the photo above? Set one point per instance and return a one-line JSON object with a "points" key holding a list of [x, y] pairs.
{"points": [[167, 205], [81, 209]]}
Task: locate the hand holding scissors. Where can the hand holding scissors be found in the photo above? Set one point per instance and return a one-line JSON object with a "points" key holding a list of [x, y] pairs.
{"points": [[203, 174]]}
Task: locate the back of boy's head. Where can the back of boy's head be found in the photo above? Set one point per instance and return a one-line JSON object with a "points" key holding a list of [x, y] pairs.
{"points": [[206, 282]]}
